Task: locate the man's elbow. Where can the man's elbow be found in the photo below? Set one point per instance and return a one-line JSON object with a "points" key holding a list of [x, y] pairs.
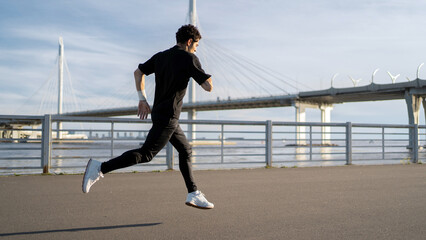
{"points": [[138, 72]]}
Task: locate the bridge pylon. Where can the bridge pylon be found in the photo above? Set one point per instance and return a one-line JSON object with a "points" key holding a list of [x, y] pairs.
{"points": [[192, 114], [301, 117], [60, 85], [413, 108], [325, 118]]}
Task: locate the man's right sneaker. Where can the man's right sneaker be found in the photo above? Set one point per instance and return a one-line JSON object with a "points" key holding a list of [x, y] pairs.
{"points": [[92, 174], [198, 199]]}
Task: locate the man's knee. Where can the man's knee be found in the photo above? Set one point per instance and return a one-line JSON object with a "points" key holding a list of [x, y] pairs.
{"points": [[139, 156], [185, 153]]}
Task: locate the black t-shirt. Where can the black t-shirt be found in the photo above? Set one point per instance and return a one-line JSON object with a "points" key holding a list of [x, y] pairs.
{"points": [[173, 68]]}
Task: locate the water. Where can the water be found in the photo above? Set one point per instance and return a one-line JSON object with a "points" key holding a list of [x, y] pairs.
{"points": [[72, 157]]}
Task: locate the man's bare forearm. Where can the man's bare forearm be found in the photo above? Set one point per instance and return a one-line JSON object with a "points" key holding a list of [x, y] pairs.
{"points": [[140, 84], [139, 80]]}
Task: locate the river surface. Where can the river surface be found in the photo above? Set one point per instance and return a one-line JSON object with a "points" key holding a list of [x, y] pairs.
{"points": [[72, 157]]}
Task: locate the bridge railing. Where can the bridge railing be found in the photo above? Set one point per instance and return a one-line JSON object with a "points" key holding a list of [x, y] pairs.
{"points": [[218, 143]]}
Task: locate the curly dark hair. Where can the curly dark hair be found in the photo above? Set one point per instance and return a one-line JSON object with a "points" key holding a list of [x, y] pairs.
{"points": [[187, 32]]}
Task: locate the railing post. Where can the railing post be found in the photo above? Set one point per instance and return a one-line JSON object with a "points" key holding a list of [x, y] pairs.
{"points": [[310, 142], [268, 154], [348, 143], [415, 143], [112, 139], [383, 143], [221, 142], [46, 143], [169, 156]]}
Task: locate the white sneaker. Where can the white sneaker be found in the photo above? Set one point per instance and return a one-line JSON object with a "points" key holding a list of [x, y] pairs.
{"points": [[92, 174], [198, 199]]}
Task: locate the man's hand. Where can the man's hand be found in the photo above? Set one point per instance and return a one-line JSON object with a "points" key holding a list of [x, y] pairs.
{"points": [[143, 110]]}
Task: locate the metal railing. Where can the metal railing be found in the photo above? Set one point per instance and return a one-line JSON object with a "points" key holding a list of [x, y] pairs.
{"points": [[234, 144]]}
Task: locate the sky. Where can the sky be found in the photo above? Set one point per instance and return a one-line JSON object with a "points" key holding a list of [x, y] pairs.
{"points": [[303, 42]]}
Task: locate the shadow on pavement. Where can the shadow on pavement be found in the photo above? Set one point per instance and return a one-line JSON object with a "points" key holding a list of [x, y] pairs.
{"points": [[80, 229]]}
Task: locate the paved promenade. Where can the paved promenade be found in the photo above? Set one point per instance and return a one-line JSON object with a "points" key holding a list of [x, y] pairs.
{"points": [[348, 202]]}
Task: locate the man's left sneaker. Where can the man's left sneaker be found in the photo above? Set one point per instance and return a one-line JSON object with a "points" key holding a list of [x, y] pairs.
{"points": [[92, 174]]}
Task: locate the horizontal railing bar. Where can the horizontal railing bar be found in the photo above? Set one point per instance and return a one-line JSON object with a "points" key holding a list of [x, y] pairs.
{"points": [[368, 125], [208, 131], [378, 140], [305, 154], [315, 133], [22, 117], [386, 146], [21, 129], [102, 129], [15, 168], [92, 156], [18, 140], [118, 139], [20, 158], [228, 163], [146, 131], [307, 146], [315, 141], [83, 166], [216, 140], [242, 155], [318, 140], [309, 161], [72, 140], [56, 118], [87, 148], [379, 133], [231, 155], [79, 157], [261, 132], [278, 123], [20, 148], [377, 153], [226, 147], [388, 159]]}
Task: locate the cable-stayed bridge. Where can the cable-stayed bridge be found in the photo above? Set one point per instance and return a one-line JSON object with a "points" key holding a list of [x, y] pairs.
{"points": [[414, 92], [248, 80]]}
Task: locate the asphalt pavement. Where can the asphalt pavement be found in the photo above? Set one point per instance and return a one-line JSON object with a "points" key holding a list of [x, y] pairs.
{"points": [[346, 202]]}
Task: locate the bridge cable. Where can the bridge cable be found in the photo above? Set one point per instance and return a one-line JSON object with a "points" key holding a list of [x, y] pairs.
{"points": [[269, 71], [262, 68], [236, 68], [220, 67], [74, 99], [233, 73], [50, 82], [236, 60]]}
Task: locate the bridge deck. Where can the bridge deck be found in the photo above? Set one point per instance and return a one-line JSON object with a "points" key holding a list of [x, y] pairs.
{"points": [[372, 92], [350, 202]]}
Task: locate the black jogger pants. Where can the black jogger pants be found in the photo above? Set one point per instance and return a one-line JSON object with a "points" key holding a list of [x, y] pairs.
{"points": [[160, 133]]}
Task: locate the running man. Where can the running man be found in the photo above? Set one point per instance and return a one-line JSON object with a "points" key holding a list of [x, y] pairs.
{"points": [[173, 68]]}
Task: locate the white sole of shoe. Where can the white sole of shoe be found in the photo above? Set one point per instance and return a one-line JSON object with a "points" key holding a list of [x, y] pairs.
{"points": [[84, 177], [195, 206]]}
